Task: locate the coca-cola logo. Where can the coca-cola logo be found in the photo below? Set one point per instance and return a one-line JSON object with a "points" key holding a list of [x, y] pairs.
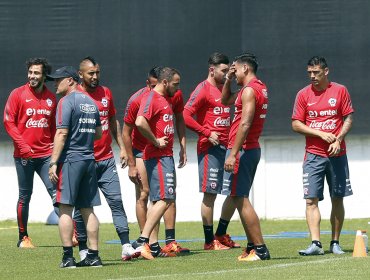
{"points": [[222, 122], [169, 130], [326, 125], [37, 123]]}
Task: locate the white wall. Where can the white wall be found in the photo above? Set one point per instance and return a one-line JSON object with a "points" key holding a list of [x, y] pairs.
{"points": [[277, 191]]}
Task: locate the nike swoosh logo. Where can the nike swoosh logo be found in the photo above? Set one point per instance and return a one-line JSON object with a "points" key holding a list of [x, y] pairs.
{"points": [[28, 100], [166, 107], [310, 104], [217, 99], [66, 263], [94, 262]]}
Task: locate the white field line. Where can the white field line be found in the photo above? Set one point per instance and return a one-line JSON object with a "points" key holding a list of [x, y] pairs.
{"points": [[173, 275], [2, 228]]}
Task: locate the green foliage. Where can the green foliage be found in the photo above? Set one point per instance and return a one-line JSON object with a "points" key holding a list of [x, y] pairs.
{"points": [[43, 262]]}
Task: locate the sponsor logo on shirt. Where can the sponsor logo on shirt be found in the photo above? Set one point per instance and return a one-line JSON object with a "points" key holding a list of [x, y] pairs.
{"points": [[167, 117], [264, 92], [220, 110], [32, 111], [37, 123], [169, 130], [326, 125], [323, 113], [221, 122], [87, 108]]}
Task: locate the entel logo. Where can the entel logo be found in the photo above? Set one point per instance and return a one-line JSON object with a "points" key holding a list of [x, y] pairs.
{"points": [[220, 110], [167, 117]]}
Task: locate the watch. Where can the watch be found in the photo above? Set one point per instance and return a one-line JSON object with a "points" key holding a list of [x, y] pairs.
{"points": [[51, 164]]}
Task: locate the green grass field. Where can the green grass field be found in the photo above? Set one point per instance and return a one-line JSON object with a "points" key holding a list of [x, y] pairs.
{"points": [[43, 262]]}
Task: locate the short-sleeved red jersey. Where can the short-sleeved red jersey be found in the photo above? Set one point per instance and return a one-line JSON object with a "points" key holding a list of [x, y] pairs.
{"points": [[158, 112], [104, 100], [261, 97], [132, 108], [29, 119], [324, 111], [138, 141], [205, 105]]}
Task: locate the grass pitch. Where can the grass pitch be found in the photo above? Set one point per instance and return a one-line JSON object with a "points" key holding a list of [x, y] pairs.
{"points": [[43, 261]]}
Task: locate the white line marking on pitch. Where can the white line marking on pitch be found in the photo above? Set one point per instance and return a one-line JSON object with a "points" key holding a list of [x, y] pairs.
{"points": [[1, 228], [283, 265]]}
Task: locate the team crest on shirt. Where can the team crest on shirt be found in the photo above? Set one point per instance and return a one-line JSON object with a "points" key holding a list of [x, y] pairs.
{"points": [[49, 102], [104, 101], [332, 102], [170, 190], [264, 92], [213, 185]]}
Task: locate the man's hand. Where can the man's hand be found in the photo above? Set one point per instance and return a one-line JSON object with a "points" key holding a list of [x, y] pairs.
{"points": [[53, 174], [123, 158], [230, 163], [334, 149], [183, 158], [328, 137], [231, 73], [213, 138], [161, 142], [133, 174]]}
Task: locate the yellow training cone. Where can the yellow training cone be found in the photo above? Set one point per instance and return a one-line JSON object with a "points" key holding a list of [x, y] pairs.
{"points": [[359, 250]]}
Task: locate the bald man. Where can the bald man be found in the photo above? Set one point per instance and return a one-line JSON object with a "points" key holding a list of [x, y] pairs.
{"points": [[108, 181]]}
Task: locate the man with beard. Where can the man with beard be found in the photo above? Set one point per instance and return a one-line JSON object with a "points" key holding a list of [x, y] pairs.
{"points": [[108, 180], [205, 114], [155, 121], [29, 119]]}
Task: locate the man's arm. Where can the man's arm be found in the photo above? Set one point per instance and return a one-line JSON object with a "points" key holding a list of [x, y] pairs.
{"points": [[144, 128], [227, 97], [115, 130], [334, 147], [299, 127], [59, 142], [133, 172], [180, 129], [248, 109]]}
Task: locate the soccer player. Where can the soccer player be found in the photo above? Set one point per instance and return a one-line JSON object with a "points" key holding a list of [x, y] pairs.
{"points": [[72, 164], [205, 115], [108, 180], [155, 122], [323, 113], [244, 151], [29, 119], [135, 144]]}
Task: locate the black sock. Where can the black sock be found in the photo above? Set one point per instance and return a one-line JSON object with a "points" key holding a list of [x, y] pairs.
{"points": [[22, 234], [317, 243], [250, 247], [208, 234], [82, 245], [261, 249], [67, 252], [123, 236], [170, 235], [222, 227], [334, 242], [155, 249], [92, 253], [142, 240]]}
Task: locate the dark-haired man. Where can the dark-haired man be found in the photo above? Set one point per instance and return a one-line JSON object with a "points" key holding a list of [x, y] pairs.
{"points": [[205, 114], [135, 144], [155, 122], [72, 164], [108, 180], [29, 119], [244, 151], [323, 113]]}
